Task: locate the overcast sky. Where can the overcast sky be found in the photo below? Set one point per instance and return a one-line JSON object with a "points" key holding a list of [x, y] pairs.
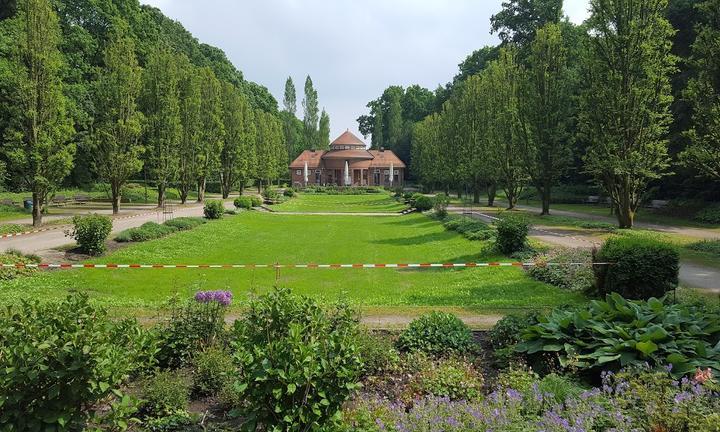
{"points": [[352, 49]]}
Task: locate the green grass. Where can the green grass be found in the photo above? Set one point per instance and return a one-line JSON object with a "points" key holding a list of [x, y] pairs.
{"points": [[367, 203], [253, 237]]}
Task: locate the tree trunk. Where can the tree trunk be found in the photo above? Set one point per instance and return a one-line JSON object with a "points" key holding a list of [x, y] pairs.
{"points": [[459, 192], [37, 209], [476, 196], [491, 191], [625, 213], [183, 194], [161, 195], [512, 201], [545, 198], [115, 186], [259, 185], [201, 190]]}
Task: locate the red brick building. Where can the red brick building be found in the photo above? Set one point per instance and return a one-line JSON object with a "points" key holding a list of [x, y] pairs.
{"points": [[347, 163]]}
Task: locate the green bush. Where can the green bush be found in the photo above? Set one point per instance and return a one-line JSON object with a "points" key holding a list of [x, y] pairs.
{"points": [[185, 223], [90, 232], [145, 232], [58, 358], [709, 214], [559, 387], [166, 393], [289, 193], [575, 275], [640, 267], [470, 228], [610, 334], [213, 369], [256, 200], [192, 326], [378, 353], [17, 257], [455, 379], [512, 231], [708, 246], [422, 202], [243, 202], [214, 209], [299, 362], [441, 204], [437, 333], [505, 334], [271, 195]]}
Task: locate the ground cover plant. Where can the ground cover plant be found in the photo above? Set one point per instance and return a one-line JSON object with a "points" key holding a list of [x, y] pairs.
{"points": [[350, 203], [152, 230], [709, 246], [268, 238]]}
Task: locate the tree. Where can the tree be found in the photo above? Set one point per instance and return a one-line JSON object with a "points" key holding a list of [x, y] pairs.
{"points": [[625, 104], [394, 121], [290, 99], [233, 157], [703, 94], [37, 137], [310, 119], [377, 131], [271, 154], [189, 93], [116, 147], [211, 131], [518, 20], [324, 132], [161, 105], [545, 112]]}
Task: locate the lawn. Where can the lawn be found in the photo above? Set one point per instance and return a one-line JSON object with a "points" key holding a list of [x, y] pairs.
{"points": [[367, 203], [253, 237]]}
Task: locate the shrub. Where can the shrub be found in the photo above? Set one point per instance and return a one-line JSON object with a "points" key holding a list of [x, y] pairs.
{"points": [[166, 393], [243, 202], [617, 332], [505, 334], [437, 333], [213, 369], [256, 200], [185, 223], [575, 275], [512, 231], [271, 195], [192, 325], [298, 361], [422, 202], [90, 232], [470, 228], [709, 214], [214, 209], [17, 257], [707, 246], [378, 353], [440, 205], [145, 232], [57, 358], [289, 193], [453, 378], [641, 267]]}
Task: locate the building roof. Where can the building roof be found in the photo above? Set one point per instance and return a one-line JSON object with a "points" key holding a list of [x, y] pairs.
{"points": [[312, 158], [347, 154], [383, 158], [347, 138]]}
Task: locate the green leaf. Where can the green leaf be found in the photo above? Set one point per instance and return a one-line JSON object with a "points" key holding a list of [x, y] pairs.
{"points": [[647, 347]]}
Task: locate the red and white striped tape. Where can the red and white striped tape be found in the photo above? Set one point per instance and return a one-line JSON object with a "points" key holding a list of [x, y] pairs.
{"points": [[289, 266]]}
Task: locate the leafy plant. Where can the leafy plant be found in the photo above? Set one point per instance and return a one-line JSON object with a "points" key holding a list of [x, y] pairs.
{"points": [[616, 332], [185, 223], [707, 246], [505, 334], [166, 393], [299, 362], [213, 368], [441, 204], [90, 232], [453, 378], [243, 202], [57, 358], [437, 333], [512, 231], [470, 228], [378, 353], [256, 200], [709, 214], [289, 193], [17, 257], [422, 202], [640, 267], [145, 232], [575, 273], [214, 209]]}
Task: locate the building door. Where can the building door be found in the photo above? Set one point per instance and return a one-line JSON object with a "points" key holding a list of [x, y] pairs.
{"points": [[356, 177], [376, 178]]}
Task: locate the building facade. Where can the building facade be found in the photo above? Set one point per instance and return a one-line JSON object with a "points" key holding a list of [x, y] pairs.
{"points": [[347, 163]]}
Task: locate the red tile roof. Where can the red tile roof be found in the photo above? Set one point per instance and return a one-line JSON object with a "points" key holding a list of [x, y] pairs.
{"points": [[313, 159], [385, 158], [347, 138], [359, 158], [347, 154]]}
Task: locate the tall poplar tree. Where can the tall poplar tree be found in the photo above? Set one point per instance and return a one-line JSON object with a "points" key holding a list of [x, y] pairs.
{"points": [[377, 132], [289, 120], [236, 115], [161, 105], [310, 118], [625, 113], [394, 121], [290, 97], [324, 131], [545, 112], [189, 93], [211, 131], [37, 137], [116, 147]]}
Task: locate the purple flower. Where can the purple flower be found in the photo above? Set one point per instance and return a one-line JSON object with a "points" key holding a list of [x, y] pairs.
{"points": [[222, 297]]}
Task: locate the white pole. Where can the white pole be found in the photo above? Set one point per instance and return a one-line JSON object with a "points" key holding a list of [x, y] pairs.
{"points": [[347, 174], [305, 173], [392, 173]]}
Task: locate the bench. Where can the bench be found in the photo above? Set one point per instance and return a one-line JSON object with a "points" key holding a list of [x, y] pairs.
{"points": [[7, 202], [81, 199], [59, 200], [592, 199]]}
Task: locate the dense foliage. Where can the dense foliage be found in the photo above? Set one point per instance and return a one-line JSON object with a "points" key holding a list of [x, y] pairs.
{"points": [[512, 231], [298, 360], [574, 272], [470, 228], [214, 209], [437, 333], [90, 232], [153, 230], [638, 267], [616, 333]]}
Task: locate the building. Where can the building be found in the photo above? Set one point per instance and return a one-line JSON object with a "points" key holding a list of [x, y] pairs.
{"points": [[347, 163]]}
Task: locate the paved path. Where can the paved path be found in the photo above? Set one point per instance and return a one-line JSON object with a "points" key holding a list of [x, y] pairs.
{"points": [[691, 275], [43, 243]]}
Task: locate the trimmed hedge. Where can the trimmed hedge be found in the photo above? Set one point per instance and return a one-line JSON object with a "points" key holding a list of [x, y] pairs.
{"points": [[512, 231], [436, 333], [214, 209], [641, 267]]}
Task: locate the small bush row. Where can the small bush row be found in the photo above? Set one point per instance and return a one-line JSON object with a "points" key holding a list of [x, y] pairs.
{"points": [[337, 190], [470, 228], [247, 202], [709, 215], [152, 230], [708, 246]]}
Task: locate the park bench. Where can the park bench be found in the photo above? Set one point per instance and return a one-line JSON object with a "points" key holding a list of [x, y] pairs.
{"points": [[59, 200], [7, 202], [81, 199], [592, 199]]}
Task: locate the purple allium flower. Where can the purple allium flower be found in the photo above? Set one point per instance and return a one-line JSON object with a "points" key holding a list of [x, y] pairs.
{"points": [[222, 297]]}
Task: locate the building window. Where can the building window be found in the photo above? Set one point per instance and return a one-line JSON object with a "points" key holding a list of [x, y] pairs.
{"points": [[298, 172], [317, 177]]}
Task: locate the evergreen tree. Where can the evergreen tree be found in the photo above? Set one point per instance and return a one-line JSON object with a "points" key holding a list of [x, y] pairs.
{"points": [[211, 131], [310, 119], [116, 147], [625, 104], [37, 137], [324, 133], [161, 105], [290, 98]]}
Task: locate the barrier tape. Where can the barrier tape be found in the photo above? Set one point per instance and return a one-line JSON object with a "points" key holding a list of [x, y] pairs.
{"points": [[290, 266]]}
